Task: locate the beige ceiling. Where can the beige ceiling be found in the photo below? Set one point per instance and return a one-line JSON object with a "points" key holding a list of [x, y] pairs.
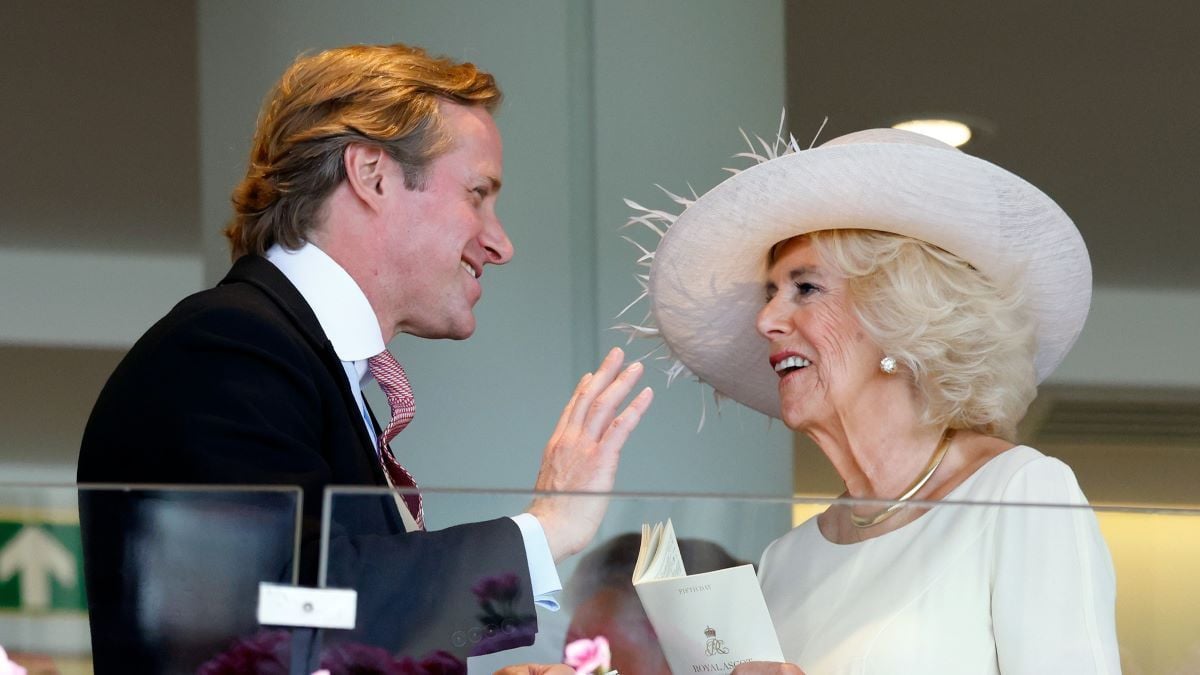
{"points": [[1095, 101], [99, 119]]}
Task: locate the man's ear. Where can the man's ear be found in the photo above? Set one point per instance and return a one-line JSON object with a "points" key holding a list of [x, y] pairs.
{"points": [[365, 171]]}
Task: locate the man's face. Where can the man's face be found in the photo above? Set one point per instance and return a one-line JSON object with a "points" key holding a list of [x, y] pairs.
{"points": [[432, 244]]}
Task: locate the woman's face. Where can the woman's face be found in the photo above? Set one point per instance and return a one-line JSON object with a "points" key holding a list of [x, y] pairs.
{"points": [[820, 352]]}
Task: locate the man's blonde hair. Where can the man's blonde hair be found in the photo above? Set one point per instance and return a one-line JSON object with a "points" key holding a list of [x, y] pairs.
{"points": [[382, 95]]}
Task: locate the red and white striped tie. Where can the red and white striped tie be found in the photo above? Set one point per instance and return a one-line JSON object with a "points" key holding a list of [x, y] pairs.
{"points": [[394, 382]]}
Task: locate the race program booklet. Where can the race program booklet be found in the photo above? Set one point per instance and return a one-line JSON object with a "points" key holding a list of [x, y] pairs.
{"points": [[706, 623]]}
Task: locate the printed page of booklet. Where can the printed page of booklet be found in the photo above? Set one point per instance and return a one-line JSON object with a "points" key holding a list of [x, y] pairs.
{"points": [[706, 623]]}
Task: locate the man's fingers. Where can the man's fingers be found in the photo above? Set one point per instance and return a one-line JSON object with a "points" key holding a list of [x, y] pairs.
{"points": [[604, 408], [537, 669], [609, 367], [565, 417], [620, 428]]}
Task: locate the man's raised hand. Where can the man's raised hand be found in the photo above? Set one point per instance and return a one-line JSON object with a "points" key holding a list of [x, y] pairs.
{"points": [[583, 453]]}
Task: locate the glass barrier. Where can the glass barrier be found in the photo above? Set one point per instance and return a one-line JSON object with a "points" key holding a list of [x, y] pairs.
{"points": [[171, 580], [167, 576], [964, 587]]}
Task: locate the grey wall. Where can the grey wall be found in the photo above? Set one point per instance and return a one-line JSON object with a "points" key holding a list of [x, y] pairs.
{"points": [[99, 229]]}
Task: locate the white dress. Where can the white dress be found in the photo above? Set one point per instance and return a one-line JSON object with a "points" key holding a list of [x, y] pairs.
{"points": [[960, 590]]}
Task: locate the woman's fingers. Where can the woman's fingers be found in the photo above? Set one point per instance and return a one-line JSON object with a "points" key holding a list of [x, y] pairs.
{"points": [[767, 668]]}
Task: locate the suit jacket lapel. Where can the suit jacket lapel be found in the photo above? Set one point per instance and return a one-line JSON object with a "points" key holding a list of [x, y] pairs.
{"points": [[260, 273]]}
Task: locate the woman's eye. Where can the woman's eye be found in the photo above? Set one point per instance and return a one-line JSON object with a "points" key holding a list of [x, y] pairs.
{"points": [[805, 288]]}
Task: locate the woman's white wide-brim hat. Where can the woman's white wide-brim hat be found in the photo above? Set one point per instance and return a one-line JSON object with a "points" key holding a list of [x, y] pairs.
{"points": [[706, 280]]}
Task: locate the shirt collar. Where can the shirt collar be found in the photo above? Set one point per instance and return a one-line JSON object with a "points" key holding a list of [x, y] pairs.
{"points": [[342, 309]]}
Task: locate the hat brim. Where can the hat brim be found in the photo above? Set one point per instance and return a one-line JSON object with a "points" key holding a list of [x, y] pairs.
{"points": [[707, 278]]}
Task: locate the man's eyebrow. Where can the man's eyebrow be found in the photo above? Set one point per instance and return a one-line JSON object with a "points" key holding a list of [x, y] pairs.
{"points": [[494, 183]]}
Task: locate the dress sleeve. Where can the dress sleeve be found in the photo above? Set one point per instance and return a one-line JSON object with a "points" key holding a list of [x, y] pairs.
{"points": [[1053, 590]]}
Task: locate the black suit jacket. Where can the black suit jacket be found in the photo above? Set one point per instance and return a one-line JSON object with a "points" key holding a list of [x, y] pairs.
{"points": [[239, 385]]}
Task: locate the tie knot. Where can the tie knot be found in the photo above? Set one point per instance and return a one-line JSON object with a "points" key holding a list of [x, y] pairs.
{"points": [[394, 383], [390, 374]]}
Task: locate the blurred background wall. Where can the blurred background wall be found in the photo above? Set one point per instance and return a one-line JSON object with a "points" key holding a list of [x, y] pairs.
{"points": [[128, 124]]}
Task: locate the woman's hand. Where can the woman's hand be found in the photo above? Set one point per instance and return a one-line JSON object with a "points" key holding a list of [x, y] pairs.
{"points": [[537, 669], [766, 668]]}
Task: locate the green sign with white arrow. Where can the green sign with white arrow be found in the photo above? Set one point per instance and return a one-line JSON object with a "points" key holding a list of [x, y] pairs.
{"points": [[41, 568]]}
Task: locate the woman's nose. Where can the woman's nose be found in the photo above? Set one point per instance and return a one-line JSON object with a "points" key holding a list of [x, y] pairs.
{"points": [[772, 320]]}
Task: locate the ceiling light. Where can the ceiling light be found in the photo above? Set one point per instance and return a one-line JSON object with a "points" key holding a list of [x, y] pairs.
{"points": [[947, 131]]}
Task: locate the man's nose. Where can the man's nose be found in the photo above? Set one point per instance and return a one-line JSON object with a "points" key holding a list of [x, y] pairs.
{"points": [[496, 244]]}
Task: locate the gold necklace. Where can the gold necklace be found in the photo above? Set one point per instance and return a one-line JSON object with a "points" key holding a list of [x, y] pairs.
{"points": [[863, 522]]}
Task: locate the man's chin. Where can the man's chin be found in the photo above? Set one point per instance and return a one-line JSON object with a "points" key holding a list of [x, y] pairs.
{"points": [[464, 330], [460, 331]]}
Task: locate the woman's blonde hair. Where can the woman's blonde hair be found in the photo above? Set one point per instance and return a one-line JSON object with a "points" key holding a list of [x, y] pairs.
{"points": [[384, 95], [967, 344]]}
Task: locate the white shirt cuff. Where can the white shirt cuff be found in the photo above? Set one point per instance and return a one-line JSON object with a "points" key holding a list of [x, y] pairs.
{"points": [[543, 575]]}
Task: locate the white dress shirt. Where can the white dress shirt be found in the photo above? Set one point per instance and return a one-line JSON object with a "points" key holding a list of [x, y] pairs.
{"points": [[351, 325]]}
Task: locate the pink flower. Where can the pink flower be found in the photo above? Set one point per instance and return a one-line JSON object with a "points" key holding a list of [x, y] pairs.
{"points": [[589, 657], [8, 667], [500, 587]]}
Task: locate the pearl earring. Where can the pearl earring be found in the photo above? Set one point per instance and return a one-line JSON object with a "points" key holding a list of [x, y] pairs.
{"points": [[888, 365]]}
